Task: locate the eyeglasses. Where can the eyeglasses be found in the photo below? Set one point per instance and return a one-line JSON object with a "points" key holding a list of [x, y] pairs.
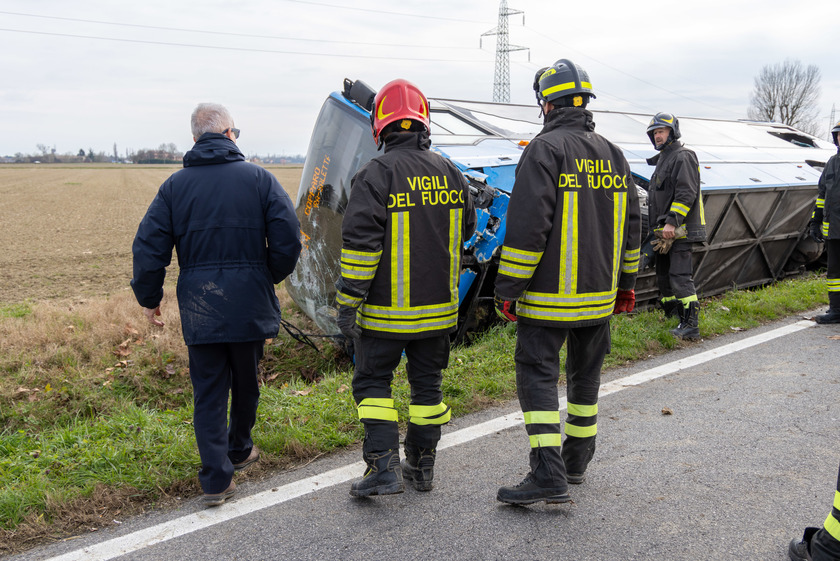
{"points": [[235, 132]]}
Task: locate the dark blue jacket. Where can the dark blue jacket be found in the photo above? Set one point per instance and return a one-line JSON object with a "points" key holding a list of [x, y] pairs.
{"points": [[236, 235]]}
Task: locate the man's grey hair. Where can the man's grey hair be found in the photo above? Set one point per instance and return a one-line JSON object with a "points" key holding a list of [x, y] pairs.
{"points": [[210, 117]]}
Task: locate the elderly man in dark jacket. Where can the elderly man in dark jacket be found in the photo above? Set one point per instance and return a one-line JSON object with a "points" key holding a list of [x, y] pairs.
{"points": [[236, 235]]}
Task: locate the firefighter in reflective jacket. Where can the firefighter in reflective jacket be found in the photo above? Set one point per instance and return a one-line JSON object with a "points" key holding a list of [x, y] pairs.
{"points": [[825, 225], [675, 207], [407, 218], [569, 261]]}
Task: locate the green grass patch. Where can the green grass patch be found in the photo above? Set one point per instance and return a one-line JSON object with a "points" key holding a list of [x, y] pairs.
{"points": [[71, 424]]}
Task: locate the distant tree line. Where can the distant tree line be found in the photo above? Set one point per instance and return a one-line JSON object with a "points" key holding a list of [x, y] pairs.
{"points": [[163, 154]]}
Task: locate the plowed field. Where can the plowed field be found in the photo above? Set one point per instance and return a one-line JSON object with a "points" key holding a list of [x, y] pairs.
{"points": [[66, 231]]}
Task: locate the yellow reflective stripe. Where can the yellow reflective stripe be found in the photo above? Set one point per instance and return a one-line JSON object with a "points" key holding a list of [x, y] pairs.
{"points": [[347, 300], [837, 500], [560, 307], [455, 247], [427, 410], [820, 203], [825, 229], [582, 410], [581, 432], [400, 259], [542, 417], [619, 215], [360, 265], [832, 526], [517, 271], [688, 300], [377, 408], [563, 87], [833, 285], [521, 255], [568, 245], [439, 414], [408, 326], [702, 209], [360, 257], [543, 440], [679, 208], [518, 263]]}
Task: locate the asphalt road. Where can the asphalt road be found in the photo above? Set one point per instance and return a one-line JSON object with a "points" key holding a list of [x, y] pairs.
{"points": [[723, 450]]}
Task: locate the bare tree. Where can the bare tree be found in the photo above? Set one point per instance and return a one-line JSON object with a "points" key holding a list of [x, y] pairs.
{"points": [[788, 93]]}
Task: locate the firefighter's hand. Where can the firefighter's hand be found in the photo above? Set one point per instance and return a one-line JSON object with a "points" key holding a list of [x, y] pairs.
{"points": [[668, 231], [815, 230], [150, 314], [346, 321], [506, 309], [625, 301]]}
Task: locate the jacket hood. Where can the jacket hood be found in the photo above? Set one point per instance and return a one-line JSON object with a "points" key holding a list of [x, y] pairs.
{"points": [[570, 117], [213, 148], [408, 140]]}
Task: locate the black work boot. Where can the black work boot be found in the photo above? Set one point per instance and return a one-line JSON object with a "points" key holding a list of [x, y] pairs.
{"points": [[418, 466], [671, 307], [689, 327], [382, 477], [798, 549], [831, 316], [529, 492]]}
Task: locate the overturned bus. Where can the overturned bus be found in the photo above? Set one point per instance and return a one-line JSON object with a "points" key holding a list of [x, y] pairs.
{"points": [[758, 182]]}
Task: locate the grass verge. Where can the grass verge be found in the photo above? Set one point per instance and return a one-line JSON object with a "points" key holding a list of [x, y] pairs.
{"points": [[97, 406]]}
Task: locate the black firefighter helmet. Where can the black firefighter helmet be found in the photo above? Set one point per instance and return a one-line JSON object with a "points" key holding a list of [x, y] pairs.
{"points": [[664, 120], [564, 84], [834, 134]]}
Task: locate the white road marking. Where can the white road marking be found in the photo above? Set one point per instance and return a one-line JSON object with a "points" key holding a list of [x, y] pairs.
{"points": [[140, 539]]}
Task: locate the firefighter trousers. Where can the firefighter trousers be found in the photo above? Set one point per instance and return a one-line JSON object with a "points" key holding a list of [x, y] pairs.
{"points": [[674, 275], [376, 359], [825, 543], [832, 249], [537, 374]]}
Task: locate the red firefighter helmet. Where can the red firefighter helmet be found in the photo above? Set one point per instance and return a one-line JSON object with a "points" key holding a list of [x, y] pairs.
{"points": [[398, 99]]}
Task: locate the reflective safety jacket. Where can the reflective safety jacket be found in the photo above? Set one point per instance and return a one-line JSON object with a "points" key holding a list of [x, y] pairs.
{"points": [[573, 226], [674, 193], [403, 234], [827, 209]]}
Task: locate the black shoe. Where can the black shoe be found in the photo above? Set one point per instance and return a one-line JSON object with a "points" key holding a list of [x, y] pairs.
{"points": [[832, 316], [798, 550], [418, 467], [528, 492], [382, 477], [575, 478]]}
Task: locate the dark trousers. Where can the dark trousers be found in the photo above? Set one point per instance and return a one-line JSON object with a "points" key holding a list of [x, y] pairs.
{"points": [[537, 374], [376, 359], [824, 546], [832, 250], [216, 371], [674, 271]]}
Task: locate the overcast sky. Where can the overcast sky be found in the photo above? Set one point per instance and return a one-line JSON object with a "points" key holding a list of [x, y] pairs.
{"points": [[85, 74]]}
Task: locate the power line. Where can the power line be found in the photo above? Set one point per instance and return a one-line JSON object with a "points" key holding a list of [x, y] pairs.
{"points": [[227, 33], [384, 12], [240, 49], [630, 75]]}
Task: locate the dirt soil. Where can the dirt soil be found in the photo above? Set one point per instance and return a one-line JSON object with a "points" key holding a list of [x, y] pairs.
{"points": [[66, 231]]}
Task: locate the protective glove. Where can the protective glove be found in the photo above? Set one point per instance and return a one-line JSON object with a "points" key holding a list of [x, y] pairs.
{"points": [[815, 230], [505, 308], [625, 301], [662, 245], [346, 321]]}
